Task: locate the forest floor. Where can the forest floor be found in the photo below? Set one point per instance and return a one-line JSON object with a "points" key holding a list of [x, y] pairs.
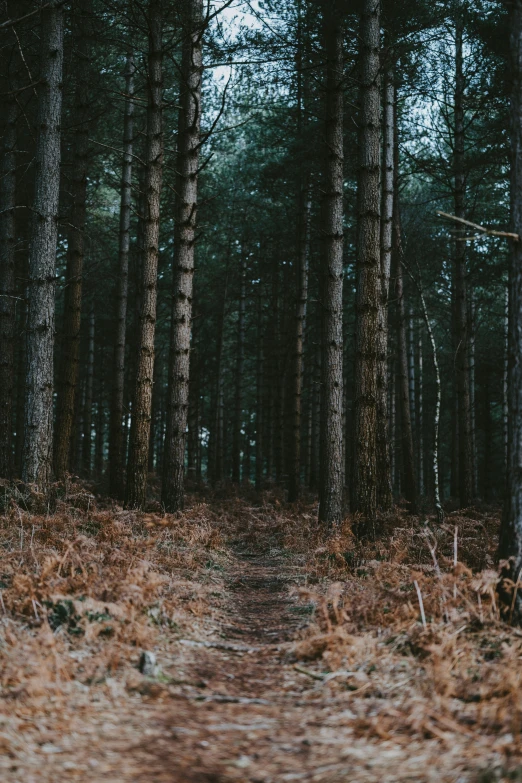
{"points": [[282, 652]]}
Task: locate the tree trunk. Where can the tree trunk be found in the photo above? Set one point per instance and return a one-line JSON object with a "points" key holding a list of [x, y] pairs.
{"points": [[116, 450], [408, 483], [185, 228], [511, 529], [384, 482], [87, 411], [461, 305], [136, 489], [38, 427], [240, 361], [68, 371], [294, 466], [420, 412], [472, 393], [260, 384], [194, 403], [365, 478], [331, 442], [7, 283], [486, 471]]}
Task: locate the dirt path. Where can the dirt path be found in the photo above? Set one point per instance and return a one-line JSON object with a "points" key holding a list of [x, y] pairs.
{"points": [[250, 715], [230, 704]]}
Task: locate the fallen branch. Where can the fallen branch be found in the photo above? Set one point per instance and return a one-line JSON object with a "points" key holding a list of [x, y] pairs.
{"points": [[492, 232]]}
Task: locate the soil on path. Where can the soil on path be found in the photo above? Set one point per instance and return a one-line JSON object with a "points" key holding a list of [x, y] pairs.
{"points": [[252, 714]]}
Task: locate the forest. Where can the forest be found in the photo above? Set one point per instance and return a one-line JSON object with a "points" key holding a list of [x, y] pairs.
{"points": [[260, 391]]}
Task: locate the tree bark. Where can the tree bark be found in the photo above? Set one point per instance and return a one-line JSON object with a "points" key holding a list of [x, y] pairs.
{"points": [[185, 228], [461, 304], [38, 425], [294, 466], [116, 444], [194, 415], [240, 361], [384, 482], [420, 411], [365, 478], [68, 371], [89, 388], [408, 483], [511, 528], [7, 284], [260, 384], [331, 442], [138, 461]]}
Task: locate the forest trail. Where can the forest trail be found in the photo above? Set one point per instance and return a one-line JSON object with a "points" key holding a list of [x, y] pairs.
{"points": [[254, 715], [262, 675]]}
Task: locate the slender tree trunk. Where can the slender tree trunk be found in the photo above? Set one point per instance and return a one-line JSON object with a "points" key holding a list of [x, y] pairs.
{"points": [[461, 305], [384, 482], [68, 371], [218, 434], [100, 419], [411, 370], [420, 412], [487, 472], [511, 528], [240, 361], [38, 430], [89, 388], [331, 442], [505, 381], [294, 466], [316, 416], [365, 478], [185, 228], [116, 445], [136, 488], [409, 486], [194, 402], [7, 284], [260, 384], [472, 393]]}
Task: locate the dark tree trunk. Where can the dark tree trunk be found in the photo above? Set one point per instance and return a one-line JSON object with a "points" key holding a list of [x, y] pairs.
{"points": [[116, 445], [365, 479], [68, 371], [331, 442], [384, 481], [7, 283], [89, 388], [240, 361], [193, 443], [260, 385], [461, 304], [294, 461], [409, 486], [185, 228], [511, 529], [138, 462], [38, 426]]}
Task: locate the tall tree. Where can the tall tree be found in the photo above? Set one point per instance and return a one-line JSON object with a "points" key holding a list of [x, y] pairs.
{"points": [[365, 478], [68, 373], [138, 462], [331, 444], [38, 423], [511, 529], [185, 227], [465, 469], [384, 484], [116, 464], [7, 280]]}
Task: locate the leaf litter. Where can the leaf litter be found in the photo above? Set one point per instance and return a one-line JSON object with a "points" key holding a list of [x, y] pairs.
{"points": [[278, 651]]}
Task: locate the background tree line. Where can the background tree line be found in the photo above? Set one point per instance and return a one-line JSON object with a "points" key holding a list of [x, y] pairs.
{"points": [[221, 258]]}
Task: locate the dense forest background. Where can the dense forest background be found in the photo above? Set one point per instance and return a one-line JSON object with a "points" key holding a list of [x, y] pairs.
{"points": [[285, 92]]}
